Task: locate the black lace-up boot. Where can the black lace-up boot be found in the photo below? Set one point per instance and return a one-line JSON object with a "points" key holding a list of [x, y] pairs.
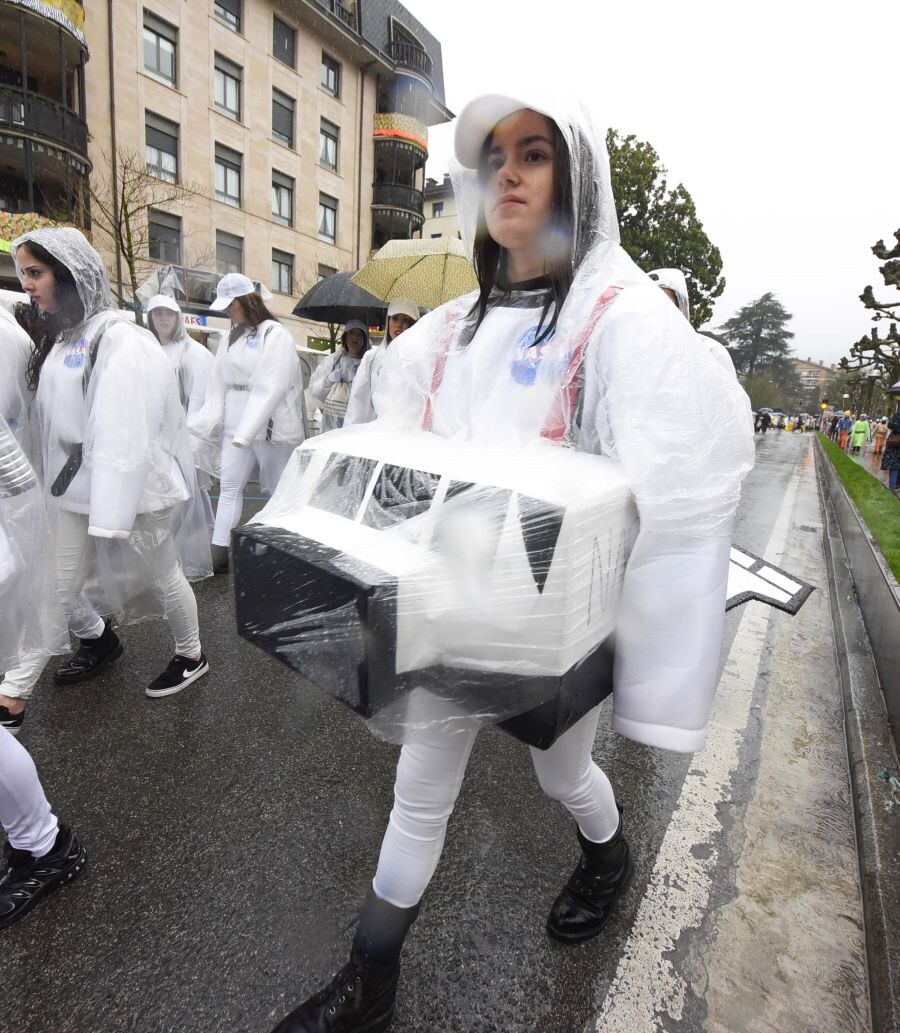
{"points": [[360, 998], [588, 898], [92, 656]]}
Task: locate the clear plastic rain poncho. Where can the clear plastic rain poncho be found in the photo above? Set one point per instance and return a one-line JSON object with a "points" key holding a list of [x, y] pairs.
{"points": [[33, 622], [190, 360], [675, 281], [15, 348], [254, 394], [114, 445], [604, 470]]}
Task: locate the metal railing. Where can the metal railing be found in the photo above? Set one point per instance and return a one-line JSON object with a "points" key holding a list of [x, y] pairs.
{"points": [[408, 55], [43, 117], [400, 196], [345, 14]]}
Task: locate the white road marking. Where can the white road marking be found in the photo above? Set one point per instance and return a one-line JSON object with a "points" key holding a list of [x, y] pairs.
{"points": [[646, 986]]}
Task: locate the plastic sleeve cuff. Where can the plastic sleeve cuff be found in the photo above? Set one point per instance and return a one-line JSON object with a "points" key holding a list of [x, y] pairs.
{"points": [[102, 532]]}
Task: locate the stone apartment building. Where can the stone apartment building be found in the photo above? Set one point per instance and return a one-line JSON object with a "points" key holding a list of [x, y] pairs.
{"points": [[440, 209], [814, 375], [302, 123]]}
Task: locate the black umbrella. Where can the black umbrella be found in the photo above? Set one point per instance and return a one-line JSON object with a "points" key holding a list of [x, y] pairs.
{"points": [[335, 300]]}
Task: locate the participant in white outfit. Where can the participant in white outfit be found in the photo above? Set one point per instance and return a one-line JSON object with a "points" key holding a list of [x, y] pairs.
{"points": [[15, 350], [333, 379], [253, 413], [673, 284], [42, 854], [565, 340], [117, 469], [192, 364], [363, 407]]}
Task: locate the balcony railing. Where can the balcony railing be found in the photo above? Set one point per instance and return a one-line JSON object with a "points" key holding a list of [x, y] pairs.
{"points": [[42, 117], [408, 55], [345, 14], [399, 196]]}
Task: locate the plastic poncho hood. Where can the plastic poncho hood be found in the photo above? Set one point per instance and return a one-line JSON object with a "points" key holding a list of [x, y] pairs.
{"points": [[675, 281], [70, 247]]}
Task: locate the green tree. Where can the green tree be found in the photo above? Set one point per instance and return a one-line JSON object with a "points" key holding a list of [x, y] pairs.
{"points": [[659, 227], [758, 337]]}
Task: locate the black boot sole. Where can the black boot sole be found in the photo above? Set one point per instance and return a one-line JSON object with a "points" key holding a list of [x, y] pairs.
{"points": [[107, 661], [72, 872], [376, 1025], [588, 934]]}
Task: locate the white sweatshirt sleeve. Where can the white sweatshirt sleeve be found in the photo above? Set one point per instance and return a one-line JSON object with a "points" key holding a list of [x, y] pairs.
{"points": [[277, 370]]}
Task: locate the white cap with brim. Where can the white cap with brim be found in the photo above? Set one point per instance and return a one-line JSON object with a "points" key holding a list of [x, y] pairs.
{"points": [[235, 285], [163, 301], [403, 307], [477, 120]]}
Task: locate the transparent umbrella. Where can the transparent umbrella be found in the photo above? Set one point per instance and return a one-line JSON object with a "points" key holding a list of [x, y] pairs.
{"points": [[428, 272]]}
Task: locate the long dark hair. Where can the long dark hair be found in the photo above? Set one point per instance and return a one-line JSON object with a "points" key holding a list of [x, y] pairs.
{"points": [[489, 258], [44, 328], [256, 312]]}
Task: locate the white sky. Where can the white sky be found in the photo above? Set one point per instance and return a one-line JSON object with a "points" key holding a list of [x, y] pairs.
{"points": [[780, 118]]}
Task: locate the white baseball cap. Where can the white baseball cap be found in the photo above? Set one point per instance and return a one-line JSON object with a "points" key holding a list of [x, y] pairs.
{"points": [[235, 285], [476, 121], [163, 301]]}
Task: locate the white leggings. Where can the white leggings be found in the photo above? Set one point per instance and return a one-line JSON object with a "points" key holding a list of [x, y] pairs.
{"points": [[237, 464], [24, 811], [72, 562], [429, 776]]}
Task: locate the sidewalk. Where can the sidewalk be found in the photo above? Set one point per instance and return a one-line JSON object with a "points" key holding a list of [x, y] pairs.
{"points": [[870, 462]]}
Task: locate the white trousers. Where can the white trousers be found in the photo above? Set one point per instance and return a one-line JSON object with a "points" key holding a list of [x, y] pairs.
{"points": [[237, 465], [24, 811], [72, 562], [429, 776]]}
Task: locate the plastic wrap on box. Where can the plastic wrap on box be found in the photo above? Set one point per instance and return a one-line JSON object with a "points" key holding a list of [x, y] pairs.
{"points": [[423, 581]]}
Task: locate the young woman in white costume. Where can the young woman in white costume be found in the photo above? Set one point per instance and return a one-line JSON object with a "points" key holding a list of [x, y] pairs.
{"points": [[401, 315], [42, 852], [192, 364], [566, 339], [332, 382], [116, 463], [253, 413]]}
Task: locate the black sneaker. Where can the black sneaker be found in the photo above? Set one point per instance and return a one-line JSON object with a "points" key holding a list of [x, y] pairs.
{"points": [[11, 722], [91, 658], [180, 672], [28, 878]]}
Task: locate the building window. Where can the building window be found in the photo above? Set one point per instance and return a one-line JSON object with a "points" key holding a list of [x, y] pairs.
{"points": [[284, 43], [437, 209], [164, 237], [325, 270], [229, 12], [435, 236], [228, 176], [328, 209], [229, 253], [227, 87], [329, 136], [282, 199], [283, 118], [162, 147], [331, 75], [282, 272], [160, 45]]}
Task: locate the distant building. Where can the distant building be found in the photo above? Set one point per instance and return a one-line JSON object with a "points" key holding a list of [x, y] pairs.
{"points": [[814, 375], [303, 124], [440, 209], [44, 163]]}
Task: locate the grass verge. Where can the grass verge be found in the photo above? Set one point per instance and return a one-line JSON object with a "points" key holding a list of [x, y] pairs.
{"points": [[877, 506]]}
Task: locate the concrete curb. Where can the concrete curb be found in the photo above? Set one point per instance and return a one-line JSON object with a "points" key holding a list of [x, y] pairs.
{"points": [[872, 751]]}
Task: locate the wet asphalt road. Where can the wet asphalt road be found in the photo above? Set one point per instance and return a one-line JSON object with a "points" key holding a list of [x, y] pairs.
{"points": [[233, 830]]}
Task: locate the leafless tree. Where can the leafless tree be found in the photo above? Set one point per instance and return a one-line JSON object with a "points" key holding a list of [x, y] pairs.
{"points": [[123, 192]]}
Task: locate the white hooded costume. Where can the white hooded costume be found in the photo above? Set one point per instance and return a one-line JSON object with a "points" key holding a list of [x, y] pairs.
{"points": [[618, 342], [253, 412], [192, 364], [117, 467], [15, 348], [363, 406], [332, 382]]}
